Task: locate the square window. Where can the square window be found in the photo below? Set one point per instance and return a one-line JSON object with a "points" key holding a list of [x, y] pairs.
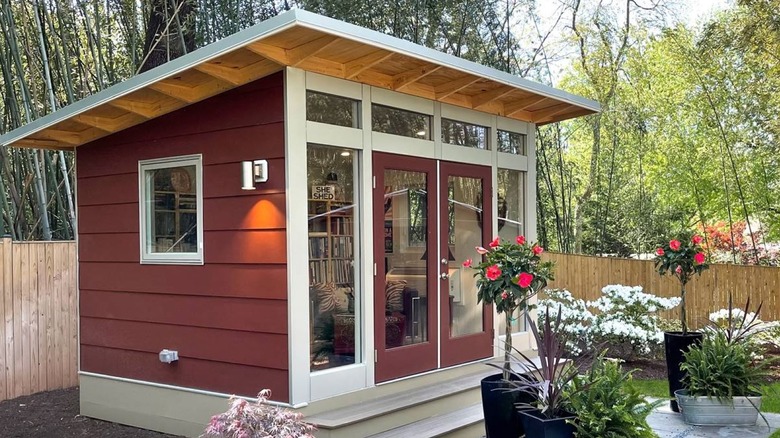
{"points": [[464, 134], [171, 207], [511, 142]]}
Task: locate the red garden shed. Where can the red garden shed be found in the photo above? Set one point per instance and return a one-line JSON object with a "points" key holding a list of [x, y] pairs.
{"points": [[289, 208]]}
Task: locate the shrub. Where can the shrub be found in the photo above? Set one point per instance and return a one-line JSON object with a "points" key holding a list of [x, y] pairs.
{"points": [[627, 320], [257, 420], [575, 317], [607, 405], [624, 318]]}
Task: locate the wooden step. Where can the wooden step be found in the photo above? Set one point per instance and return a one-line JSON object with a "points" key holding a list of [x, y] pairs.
{"points": [[439, 425], [395, 402]]}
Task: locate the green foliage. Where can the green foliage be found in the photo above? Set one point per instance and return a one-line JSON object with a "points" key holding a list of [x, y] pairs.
{"points": [[727, 363], [723, 369], [607, 405]]}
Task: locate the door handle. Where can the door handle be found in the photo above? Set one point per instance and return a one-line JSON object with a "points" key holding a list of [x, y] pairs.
{"points": [[444, 276]]}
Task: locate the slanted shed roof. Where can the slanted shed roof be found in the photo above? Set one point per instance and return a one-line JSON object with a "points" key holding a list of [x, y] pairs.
{"points": [[310, 42]]}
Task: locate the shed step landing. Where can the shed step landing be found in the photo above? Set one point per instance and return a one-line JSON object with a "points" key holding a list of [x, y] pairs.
{"points": [[383, 405]]}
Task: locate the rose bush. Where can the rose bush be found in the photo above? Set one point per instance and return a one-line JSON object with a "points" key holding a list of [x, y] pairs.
{"points": [[509, 274], [682, 259]]}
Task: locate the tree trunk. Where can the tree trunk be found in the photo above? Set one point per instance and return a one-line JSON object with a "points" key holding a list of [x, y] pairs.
{"points": [[170, 32]]}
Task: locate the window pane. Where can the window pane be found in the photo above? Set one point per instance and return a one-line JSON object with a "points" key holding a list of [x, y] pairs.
{"points": [[171, 213], [400, 122], [511, 142], [511, 220], [332, 257], [464, 134], [333, 110]]}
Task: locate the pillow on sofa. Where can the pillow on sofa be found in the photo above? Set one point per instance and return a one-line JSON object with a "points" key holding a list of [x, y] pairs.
{"points": [[394, 295], [324, 297]]}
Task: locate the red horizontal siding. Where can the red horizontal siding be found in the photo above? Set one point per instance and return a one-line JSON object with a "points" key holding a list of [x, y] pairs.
{"points": [[226, 146], [245, 314], [190, 373], [240, 280], [231, 346], [227, 317], [235, 213], [244, 246]]}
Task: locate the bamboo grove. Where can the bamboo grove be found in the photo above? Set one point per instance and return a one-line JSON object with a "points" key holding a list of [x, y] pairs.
{"points": [[687, 138]]}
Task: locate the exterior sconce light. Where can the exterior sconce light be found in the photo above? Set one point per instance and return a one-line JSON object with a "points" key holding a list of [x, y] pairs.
{"points": [[253, 172]]}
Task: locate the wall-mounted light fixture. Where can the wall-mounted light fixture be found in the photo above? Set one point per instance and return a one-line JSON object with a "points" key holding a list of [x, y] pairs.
{"points": [[253, 172]]}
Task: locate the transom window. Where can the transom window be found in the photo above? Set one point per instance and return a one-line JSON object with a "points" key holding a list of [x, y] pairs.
{"points": [[333, 110], [511, 142], [464, 134], [400, 122], [171, 207]]}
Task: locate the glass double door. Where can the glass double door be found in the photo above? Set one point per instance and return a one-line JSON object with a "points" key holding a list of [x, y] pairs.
{"points": [[429, 216]]}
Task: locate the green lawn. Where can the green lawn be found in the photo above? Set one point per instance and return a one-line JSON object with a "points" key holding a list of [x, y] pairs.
{"points": [[775, 435], [660, 388]]}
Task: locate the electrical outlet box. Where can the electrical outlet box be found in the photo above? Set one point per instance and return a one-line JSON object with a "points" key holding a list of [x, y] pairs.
{"points": [[169, 356]]}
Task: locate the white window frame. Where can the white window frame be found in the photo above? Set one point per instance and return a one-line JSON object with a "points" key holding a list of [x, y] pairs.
{"points": [[177, 258]]}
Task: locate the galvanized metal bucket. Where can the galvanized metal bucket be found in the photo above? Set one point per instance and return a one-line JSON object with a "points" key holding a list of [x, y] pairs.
{"points": [[711, 411]]}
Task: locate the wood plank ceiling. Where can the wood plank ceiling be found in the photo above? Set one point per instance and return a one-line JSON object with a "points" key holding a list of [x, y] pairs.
{"points": [[312, 50]]}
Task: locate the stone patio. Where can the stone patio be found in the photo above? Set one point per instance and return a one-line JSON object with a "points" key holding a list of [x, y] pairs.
{"points": [[668, 424]]}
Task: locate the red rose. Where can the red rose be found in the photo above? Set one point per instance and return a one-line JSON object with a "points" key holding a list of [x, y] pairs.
{"points": [[481, 250], [678, 270], [467, 263], [524, 279], [504, 295], [659, 252], [494, 243], [520, 240], [493, 272], [674, 244], [696, 239], [699, 258], [537, 249]]}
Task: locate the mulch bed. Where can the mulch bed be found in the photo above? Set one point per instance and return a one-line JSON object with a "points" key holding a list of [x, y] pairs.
{"points": [[647, 368], [55, 414]]}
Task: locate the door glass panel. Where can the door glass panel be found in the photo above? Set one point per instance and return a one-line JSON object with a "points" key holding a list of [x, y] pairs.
{"points": [[406, 258], [465, 232], [333, 252]]}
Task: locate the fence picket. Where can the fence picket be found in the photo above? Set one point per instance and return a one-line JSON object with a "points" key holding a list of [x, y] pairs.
{"points": [[38, 317]]}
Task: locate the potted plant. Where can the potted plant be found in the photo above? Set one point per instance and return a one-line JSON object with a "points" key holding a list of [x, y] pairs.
{"points": [[723, 372], [606, 403], [548, 382], [508, 276], [682, 259]]}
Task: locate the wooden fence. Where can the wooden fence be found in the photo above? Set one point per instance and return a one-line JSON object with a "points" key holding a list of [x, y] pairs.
{"points": [[38, 317], [585, 276]]}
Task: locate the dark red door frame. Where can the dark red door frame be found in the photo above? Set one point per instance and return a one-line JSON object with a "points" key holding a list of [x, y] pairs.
{"points": [[410, 359], [414, 359], [477, 345]]}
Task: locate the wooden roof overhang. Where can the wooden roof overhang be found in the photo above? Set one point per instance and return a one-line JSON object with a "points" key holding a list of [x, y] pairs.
{"points": [[310, 42]]}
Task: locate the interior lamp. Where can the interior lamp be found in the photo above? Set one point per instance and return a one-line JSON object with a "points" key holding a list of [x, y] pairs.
{"points": [[253, 172]]}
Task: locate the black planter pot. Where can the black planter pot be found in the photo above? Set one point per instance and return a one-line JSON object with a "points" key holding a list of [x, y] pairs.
{"points": [[675, 343], [501, 417], [538, 426]]}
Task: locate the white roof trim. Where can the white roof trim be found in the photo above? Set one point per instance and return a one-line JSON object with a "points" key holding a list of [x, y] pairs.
{"points": [[275, 25]]}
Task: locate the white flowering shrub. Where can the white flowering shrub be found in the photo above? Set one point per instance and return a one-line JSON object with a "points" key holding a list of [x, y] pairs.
{"points": [[575, 317], [627, 320], [624, 319]]}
